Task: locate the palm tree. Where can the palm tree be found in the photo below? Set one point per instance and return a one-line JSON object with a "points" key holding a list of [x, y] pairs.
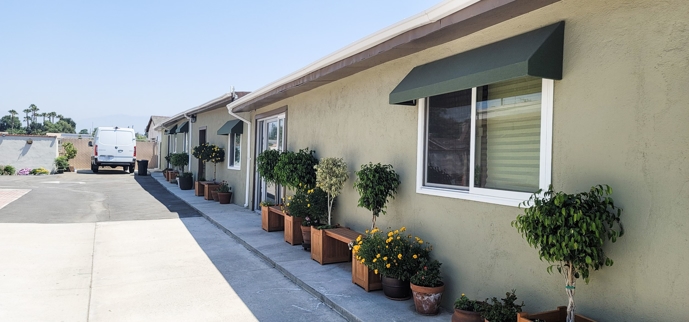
{"points": [[52, 116], [44, 114], [59, 116], [27, 111], [34, 109], [13, 113], [27, 119]]}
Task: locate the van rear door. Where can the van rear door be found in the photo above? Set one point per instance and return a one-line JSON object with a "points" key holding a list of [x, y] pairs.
{"points": [[125, 145], [115, 145]]}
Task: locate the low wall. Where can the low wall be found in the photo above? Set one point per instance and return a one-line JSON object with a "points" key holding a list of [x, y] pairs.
{"points": [[26, 151], [144, 151]]}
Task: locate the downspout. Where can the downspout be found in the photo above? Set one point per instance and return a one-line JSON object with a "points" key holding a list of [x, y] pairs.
{"points": [[189, 140], [248, 153]]}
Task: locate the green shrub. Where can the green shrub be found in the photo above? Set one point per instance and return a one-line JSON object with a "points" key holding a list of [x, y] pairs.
{"points": [[375, 184], [70, 150], [38, 171], [295, 170], [8, 170], [61, 162], [265, 165]]}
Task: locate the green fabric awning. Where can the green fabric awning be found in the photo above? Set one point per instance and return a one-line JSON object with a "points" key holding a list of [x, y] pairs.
{"points": [[173, 130], [184, 128], [234, 126], [536, 53]]}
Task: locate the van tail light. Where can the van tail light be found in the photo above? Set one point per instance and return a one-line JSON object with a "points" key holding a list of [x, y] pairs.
{"points": [[95, 150], [135, 151]]}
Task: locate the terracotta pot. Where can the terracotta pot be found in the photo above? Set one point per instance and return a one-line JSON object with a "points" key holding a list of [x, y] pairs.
{"points": [[172, 177], [427, 299], [214, 194], [395, 289], [306, 237], [224, 197], [466, 316]]}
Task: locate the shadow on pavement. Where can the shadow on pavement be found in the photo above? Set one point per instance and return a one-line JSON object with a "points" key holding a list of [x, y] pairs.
{"points": [[163, 196], [103, 172]]}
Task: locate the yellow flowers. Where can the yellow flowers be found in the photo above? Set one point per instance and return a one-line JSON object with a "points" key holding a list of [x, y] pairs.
{"points": [[363, 260], [375, 230], [390, 234], [377, 255], [387, 265], [358, 238], [308, 205], [375, 259], [375, 271], [403, 229], [288, 204], [415, 257], [399, 256], [420, 241], [385, 258]]}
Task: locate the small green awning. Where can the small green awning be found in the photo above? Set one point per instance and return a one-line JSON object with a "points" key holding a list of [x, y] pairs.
{"points": [[173, 130], [184, 128], [234, 126], [536, 53]]}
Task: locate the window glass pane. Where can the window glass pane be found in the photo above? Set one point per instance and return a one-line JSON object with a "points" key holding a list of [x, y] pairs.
{"points": [[281, 134], [237, 149], [273, 143], [508, 133], [447, 139]]}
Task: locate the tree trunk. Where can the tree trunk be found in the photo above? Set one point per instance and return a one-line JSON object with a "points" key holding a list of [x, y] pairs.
{"points": [[570, 282]]}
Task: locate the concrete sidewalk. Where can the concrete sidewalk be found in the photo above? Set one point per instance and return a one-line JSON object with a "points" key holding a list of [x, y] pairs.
{"points": [[330, 283]]}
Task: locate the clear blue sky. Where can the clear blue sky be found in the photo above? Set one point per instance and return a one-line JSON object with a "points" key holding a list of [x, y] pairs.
{"points": [[92, 60]]}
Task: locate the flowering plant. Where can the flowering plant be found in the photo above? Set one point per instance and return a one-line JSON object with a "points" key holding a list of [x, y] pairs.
{"points": [[224, 187], [428, 274], [309, 204], [38, 171], [465, 304], [391, 254], [24, 172]]}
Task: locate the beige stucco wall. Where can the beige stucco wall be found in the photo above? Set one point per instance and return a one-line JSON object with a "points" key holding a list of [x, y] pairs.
{"points": [[213, 121], [620, 118]]}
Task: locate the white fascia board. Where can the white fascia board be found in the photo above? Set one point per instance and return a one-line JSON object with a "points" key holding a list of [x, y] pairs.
{"points": [[175, 118], [431, 15]]}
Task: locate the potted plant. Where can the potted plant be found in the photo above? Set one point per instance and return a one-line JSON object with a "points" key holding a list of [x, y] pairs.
{"points": [[186, 181], [467, 310], [216, 155], [224, 193], [295, 170], [70, 153], [427, 287], [265, 165], [375, 184], [201, 153], [271, 220], [503, 310], [570, 230], [331, 173], [61, 163], [305, 208], [394, 256], [8, 170]]}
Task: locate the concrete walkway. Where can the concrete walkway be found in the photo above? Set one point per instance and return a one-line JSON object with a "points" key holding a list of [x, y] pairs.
{"points": [[332, 283]]}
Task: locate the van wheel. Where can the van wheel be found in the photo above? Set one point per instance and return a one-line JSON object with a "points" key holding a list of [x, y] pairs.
{"points": [[125, 168], [94, 168], [131, 168]]}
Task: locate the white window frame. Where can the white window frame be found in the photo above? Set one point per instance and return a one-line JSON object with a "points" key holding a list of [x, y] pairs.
{"points": [[500, 197], [230, 150], [174, 146], [186, 143]]}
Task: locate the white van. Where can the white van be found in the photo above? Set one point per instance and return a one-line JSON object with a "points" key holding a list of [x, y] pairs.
{"points": [[113, 147]]}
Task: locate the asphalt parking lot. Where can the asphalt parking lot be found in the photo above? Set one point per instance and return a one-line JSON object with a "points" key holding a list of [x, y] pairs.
{"points": [[118, 247]]}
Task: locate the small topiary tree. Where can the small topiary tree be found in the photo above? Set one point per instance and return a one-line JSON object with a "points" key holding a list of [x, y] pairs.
{"points": [[331, 173], [265, 165], [70, 150], [569, 231], [295, 170], [216, 155], [179, 160], [375, 184]]}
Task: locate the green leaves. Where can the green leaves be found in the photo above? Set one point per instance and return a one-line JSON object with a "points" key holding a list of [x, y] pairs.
{"points": [[571, 228], [375, 184], [265, 164], [296, 169]]}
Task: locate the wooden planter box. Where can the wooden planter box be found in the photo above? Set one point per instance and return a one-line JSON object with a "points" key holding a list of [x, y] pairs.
{"points": [[271, 218], [293, 230], [558, 315], [207, 188], [172, 177], [364, 277], [198, 188], [330, 245]]}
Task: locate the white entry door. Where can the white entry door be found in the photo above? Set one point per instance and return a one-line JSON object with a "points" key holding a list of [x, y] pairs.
{"points": [[271, 136]]}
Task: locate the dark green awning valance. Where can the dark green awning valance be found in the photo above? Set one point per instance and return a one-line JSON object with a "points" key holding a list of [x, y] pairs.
{"points": [[173, 130], [536, 53], [184, 128], [234, 126]]}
